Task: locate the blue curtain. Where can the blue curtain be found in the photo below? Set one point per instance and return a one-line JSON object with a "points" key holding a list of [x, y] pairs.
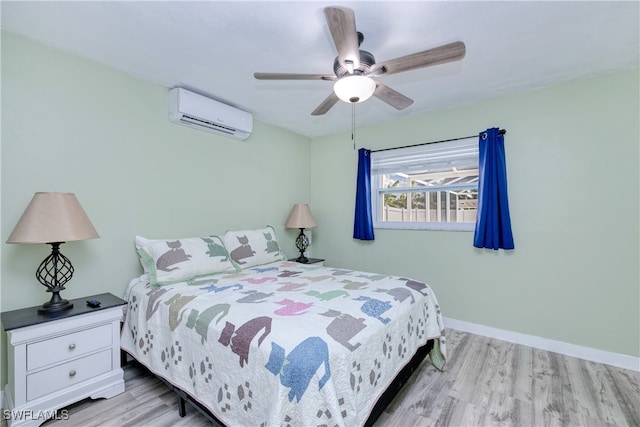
{"points": [[493, 223], [363, 221]]}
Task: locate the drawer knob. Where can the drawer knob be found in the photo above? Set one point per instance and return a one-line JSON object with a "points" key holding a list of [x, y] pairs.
{"points": [[72, 373], [72, 346]]}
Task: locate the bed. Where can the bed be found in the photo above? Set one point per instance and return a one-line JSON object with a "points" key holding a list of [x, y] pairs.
{"points": [[264, 341]]}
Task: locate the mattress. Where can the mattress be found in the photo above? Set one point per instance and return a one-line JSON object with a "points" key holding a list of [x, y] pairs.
{"points": [[283, 343]]}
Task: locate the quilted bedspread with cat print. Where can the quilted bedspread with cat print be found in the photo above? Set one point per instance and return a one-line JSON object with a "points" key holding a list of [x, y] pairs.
{"points": [[283, 343]]}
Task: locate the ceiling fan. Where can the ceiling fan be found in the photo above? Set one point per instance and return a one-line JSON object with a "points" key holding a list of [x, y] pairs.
{"points": [[354, 68]]}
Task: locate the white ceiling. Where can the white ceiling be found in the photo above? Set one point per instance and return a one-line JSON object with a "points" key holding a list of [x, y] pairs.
{"points": [[214, 47]]}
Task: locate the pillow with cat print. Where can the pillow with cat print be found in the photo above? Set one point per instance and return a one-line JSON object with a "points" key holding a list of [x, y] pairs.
{"points": [[249, 248], [141, 242], [178, 260]]}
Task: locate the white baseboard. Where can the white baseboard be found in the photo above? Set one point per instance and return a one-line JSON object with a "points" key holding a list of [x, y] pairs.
{"points": [[586, 353]]}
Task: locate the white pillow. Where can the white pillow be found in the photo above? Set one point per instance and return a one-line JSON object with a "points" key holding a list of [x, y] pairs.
{"points": [[141, 242], [176, 260], [248, 248]]}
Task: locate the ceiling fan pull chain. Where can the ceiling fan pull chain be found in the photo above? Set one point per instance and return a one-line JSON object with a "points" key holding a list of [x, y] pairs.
{"points": [[353, 124]]}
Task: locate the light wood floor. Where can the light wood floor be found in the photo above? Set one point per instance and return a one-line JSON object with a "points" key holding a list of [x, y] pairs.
{"points": [[486, 383]]}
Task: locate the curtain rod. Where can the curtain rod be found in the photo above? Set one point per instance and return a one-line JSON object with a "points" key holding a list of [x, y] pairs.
{"points": [[502, 132]]}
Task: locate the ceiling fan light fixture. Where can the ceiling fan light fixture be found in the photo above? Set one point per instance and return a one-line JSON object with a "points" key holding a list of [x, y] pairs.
{"points": [[354, 89]]}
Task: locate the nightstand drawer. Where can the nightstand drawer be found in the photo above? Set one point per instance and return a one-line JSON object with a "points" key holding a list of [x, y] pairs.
{"points": [[55, 350], [61, 376]]}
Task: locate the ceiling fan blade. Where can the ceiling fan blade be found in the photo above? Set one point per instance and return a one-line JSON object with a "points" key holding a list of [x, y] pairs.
{"points": [[287, 76], [329, 102], [342, 24], [439, 55], [391, 97]]}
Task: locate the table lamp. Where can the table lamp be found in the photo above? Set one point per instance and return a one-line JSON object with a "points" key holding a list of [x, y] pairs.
{"points": [[300, 217], [53, 218]]}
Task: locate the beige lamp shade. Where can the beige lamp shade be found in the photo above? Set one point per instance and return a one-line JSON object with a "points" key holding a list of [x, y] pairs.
{"points": [[300, 217], [53, 217]]}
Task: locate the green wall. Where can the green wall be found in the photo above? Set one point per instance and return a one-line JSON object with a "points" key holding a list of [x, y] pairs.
{"points": [[70, 124], [573, 161]]}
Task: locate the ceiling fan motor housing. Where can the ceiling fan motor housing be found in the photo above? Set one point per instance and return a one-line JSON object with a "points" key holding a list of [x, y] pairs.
{"points": [[367, 60]]}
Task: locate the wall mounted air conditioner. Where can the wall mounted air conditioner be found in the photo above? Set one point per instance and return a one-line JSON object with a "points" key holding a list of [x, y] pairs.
{"points": [[199, 112]]}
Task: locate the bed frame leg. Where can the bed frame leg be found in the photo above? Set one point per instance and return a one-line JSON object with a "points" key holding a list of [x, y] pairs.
{"points": [[182, 406]]}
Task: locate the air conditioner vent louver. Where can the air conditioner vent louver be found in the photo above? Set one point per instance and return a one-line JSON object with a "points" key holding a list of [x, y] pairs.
{"points": [[199, 112], [206, 124]]}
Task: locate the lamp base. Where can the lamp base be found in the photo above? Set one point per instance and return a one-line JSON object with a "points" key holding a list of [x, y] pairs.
{"points": [[53, 273], [55, 305], [302, 243], [302, 259]]}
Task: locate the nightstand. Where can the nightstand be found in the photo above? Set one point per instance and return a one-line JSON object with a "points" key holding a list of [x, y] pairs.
{"points": [[55, 360], [316, 261]]}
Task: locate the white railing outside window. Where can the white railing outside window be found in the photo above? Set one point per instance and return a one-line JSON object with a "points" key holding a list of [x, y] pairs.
{"points": [[432, 187]]}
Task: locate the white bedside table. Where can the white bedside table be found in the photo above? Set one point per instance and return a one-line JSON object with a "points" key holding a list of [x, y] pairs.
{"points": [[58, 359]]}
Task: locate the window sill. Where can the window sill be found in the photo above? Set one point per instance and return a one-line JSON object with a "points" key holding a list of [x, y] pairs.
{"points": [[433, 226]]}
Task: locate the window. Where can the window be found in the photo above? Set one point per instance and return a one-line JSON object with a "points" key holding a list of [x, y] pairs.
{"points": [[431, 186]]}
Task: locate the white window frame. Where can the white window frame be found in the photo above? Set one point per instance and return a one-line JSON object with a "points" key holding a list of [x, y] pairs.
{"points": [[438, 156]]}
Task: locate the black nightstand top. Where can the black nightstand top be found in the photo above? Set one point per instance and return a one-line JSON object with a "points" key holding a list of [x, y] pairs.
{"points": [[311, 260], [29, 316]]}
